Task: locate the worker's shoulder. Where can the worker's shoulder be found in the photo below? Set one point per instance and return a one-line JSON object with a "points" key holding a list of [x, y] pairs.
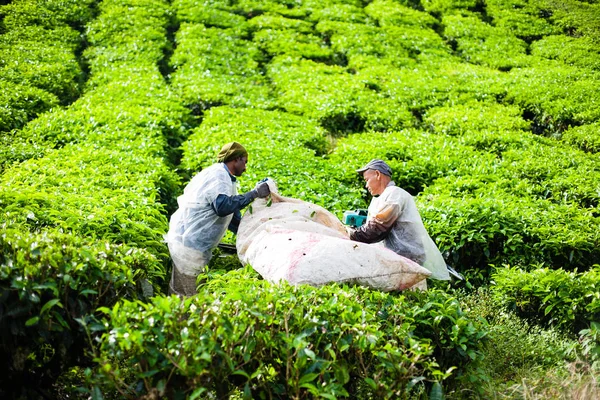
{"points": [[214, 169], [396, 192]]}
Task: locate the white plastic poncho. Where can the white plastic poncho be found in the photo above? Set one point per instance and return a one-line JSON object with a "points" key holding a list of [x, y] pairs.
{"points": [[302, 243], [195, 229], [408, 236]]}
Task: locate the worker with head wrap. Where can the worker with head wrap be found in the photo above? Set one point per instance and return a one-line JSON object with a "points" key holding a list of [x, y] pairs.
{"points": [[393, 219], [208, 207]]}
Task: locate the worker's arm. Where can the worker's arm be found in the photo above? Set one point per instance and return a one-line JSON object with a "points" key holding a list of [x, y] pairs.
{"points": [[378, 227], [235, 222], [225, 205]]}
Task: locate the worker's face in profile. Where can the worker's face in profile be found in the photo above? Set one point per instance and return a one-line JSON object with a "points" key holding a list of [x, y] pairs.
{"points": [[239, 166], [374, 182]]}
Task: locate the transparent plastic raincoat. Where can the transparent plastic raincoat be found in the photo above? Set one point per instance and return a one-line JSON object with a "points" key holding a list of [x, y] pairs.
{"points": [[195, 229], [408, 236]]}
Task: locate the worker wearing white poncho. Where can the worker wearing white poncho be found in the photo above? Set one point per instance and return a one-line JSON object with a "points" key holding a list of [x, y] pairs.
{"points": [[394, 219], [208, 207]]}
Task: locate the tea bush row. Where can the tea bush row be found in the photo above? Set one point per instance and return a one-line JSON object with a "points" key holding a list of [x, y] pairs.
{"points": [[567, 300], [215, 66], [339, 101], [528, 20], [39, 67], [576, 17], [522, 157], [391, 13], [480, 43], [119, 36], [417, 158], [301, 65], [364, 44], [48, 14], [584, 137], [555, 95], [262, 341], [94, 189], [226, 14], [577, 51], [449, 7], [552, 93], [487, 225], [433, 82]]}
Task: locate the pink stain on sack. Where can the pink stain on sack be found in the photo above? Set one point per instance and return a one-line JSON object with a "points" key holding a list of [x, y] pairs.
{"points": [[309, 240]]}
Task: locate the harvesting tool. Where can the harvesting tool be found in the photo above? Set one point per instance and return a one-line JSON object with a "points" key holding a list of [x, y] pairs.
{"points": [[355, 218]]}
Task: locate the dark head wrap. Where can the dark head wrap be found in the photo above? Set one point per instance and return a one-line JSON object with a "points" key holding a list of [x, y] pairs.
{"points": [[231, 151]]}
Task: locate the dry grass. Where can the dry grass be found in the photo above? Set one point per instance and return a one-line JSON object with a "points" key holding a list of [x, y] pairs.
{"points": [[578, 382]]}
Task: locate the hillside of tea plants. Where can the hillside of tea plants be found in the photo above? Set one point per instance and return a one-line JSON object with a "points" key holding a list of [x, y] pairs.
{"points": [[488, 112]]}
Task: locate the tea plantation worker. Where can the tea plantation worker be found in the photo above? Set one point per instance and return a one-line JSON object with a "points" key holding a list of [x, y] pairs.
{"points": [[394, 219], [208, 207]]}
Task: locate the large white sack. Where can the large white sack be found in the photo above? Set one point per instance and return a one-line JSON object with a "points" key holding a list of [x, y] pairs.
{"points": [[299, 242]]}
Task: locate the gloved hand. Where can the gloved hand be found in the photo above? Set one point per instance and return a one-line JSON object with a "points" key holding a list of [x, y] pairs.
{"points": [[262, 189]]}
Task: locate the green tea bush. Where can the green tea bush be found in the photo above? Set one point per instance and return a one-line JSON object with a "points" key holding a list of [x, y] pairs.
{"points": [[39, 67], [285, 147], [91, 192], [51, 285], [14, 149], [215, 67], [340, 12], [293, 43], [395, 45], [572, 177], [471, 117], [212, 14], [391, 13], [435, 83], [340, 101], [472, 231], [555, 96], [448, 7], [133, 31], [224, 13], [478, 222], [42, 58], [267, 340], [526, 19], [21, 103], [278, 22], [568, 300], [480, 43], [48, 13], [576, 17], [147, 111], [578, 51], [498, 129], [585, 137], [286, 8]]}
